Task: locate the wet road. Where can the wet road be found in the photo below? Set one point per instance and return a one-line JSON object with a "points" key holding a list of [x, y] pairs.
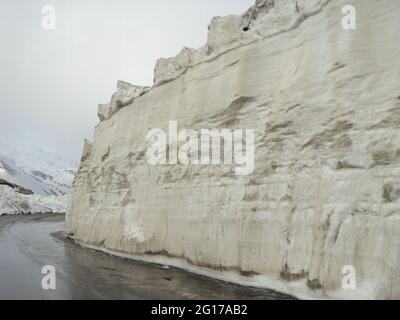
{"points": [[28, 243]]}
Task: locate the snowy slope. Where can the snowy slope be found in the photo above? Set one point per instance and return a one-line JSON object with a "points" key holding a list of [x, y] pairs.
{"points": [[33, 179], [53, 172], [10, 172], [36, 168]]}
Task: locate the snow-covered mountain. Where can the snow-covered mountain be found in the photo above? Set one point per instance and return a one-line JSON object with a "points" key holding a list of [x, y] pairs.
{"points": [[33, 179]]}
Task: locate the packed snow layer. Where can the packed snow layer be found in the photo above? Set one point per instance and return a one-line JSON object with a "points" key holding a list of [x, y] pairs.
{"points": [[12, 202], [324, 103]]}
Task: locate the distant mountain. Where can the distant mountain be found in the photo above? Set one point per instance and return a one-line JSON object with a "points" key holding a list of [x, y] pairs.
{"points": [[33, 179], [38, 169]]}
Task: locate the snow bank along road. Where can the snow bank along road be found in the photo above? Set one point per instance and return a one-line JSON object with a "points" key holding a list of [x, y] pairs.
{"points": [[27, 243]]}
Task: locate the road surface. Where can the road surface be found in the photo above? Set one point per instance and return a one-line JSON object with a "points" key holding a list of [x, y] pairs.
{"points": [[27, 243]]}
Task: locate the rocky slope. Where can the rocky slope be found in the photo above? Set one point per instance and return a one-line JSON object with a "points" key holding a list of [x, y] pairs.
{"points": [[325, 106]]}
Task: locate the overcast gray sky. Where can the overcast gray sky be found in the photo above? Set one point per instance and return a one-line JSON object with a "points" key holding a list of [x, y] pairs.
{"points": [[52, 81]]}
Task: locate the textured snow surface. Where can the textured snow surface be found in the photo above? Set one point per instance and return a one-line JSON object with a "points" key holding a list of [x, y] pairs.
{"points": [[325, 192], [12, 202]]}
